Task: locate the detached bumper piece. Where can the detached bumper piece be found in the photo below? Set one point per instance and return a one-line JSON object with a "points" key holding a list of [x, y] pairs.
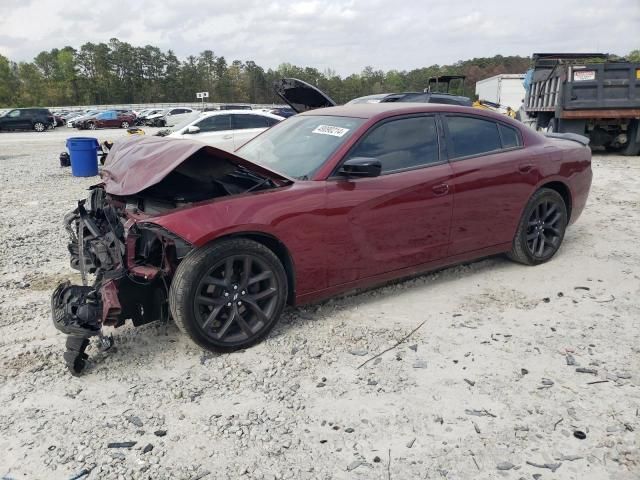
{"points": [[80, 312], [77, 312]]}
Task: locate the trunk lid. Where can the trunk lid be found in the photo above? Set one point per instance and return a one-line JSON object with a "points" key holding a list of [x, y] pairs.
{"points": [[300, 95]]}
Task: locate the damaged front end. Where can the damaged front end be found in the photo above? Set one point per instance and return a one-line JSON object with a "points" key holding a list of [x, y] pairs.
{"points": [[131, 262], [113, 239]]}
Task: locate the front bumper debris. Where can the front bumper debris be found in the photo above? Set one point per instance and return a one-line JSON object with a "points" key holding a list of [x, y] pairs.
{"points": [[126, 285]]}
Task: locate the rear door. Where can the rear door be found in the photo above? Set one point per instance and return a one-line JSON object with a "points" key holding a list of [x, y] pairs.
{"points": [[398, 220], [492, 181], [215, 130], [247, 125]]}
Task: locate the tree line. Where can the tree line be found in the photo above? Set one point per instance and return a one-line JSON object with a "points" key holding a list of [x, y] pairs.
{"points": [[118, 72]]}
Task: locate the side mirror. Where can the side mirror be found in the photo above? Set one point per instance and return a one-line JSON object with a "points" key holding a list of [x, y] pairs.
{"points": [[192, 129], [361, 167]]}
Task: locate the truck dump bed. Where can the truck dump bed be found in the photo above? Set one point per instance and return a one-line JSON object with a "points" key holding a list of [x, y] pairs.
{"points": [[573, 89]]}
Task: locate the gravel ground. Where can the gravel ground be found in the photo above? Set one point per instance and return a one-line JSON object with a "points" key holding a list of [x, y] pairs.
{"points": [[488, 387]]}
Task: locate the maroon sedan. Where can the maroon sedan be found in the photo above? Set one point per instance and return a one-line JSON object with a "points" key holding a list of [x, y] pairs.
{"points": [[108, 119], [325, 202]]}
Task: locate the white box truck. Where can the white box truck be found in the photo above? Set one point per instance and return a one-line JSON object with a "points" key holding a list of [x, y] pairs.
{"points": [[506, 90]]}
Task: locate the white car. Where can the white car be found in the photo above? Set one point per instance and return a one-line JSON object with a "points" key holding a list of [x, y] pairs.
{"points": [[171, 117], [227, 129]]}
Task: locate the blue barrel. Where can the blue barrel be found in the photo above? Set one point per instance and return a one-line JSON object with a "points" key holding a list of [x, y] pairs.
{"points": [[84, 156]]}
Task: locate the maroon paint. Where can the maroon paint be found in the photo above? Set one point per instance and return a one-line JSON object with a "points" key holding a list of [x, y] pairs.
{"points": [[345, 234]]}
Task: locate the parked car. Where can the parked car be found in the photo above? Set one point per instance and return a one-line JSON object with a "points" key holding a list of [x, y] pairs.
{"points": [[71, 123], [323, 203], [170, 117], [108, 119], [230, 106], [38, 119], [226, 129], [284, 112], [302, 96], [141, 117]]}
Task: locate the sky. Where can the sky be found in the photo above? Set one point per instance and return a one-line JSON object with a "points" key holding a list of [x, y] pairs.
{"points": [[344, 36]]}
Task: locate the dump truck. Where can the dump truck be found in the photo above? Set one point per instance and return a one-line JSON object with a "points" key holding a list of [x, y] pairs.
{"points": [[586, 93]]}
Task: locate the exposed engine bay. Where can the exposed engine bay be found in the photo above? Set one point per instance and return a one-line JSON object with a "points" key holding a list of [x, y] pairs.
{"points": [[131, 260]]}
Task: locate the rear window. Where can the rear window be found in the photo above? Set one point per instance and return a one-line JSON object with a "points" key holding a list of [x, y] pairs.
{"points": [[510, 136], [472, 136]]}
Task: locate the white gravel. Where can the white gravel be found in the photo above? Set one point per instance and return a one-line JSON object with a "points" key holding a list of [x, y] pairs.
{"points": [[483, 390]]}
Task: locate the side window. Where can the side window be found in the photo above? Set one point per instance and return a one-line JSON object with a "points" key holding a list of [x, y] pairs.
{"points": [[242, 121], [400, 144], [472, 136], [271, 121], [14, 114], [215, 123], [510, 136]]}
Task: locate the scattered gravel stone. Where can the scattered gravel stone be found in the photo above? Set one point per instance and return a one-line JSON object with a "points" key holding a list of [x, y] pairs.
{"points": [[147, 448], [358, 352], [505, 466], [135, 420], [160, 433], [355, 464], [592, 371], [570, 360], [420, 364]]}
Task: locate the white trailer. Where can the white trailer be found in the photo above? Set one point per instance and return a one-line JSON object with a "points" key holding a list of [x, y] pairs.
{"points": [[505, 89]]}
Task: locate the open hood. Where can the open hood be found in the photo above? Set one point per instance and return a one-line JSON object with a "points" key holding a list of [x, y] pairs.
{"points": [[139, 162], [300, 95]]}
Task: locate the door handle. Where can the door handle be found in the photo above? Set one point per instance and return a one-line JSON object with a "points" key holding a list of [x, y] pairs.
{"points": [[441, 189], [525, 168], [227, 137]]}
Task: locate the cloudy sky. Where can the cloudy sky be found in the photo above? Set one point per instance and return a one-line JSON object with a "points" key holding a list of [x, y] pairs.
{"points": [[343, 35]]}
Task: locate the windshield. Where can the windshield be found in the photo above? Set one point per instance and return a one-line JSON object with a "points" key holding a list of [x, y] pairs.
{"points": [[298, 146]]}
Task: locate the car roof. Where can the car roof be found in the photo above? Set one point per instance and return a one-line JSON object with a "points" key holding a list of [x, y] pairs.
{"points": [[239, 112], [371, 110]]}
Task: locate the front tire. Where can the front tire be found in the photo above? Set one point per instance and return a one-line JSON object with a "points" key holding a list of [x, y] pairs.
{"points": [[92, 126], [228, 295], [541, 228]]}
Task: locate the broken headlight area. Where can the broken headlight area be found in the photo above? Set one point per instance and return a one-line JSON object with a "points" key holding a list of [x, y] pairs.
{"points": [[132, 263]]}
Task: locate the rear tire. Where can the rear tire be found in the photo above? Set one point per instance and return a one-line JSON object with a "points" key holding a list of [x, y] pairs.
{"points": [[228, 295], [92, 126], [124, 125], [541, 228], [39, 127], [633, 145]]}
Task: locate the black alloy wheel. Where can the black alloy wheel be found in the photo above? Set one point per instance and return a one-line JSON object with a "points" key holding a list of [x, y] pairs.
{"points": [[229, 295], [541, 229]]}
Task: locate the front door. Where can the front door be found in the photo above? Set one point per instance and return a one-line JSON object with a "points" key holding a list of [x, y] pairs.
{"points": [[215, 130], [398, 220]]}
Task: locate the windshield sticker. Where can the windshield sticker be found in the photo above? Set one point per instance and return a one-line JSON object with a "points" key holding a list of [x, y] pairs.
{"points": [[329, 130]]}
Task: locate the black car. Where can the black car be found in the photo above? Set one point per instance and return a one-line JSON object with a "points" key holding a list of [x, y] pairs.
{"points": [[302, 96], [38, 119]]}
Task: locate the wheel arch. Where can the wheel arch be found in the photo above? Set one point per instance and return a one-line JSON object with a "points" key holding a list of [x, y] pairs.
{"points": [[277, 247], [564, 191]]}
